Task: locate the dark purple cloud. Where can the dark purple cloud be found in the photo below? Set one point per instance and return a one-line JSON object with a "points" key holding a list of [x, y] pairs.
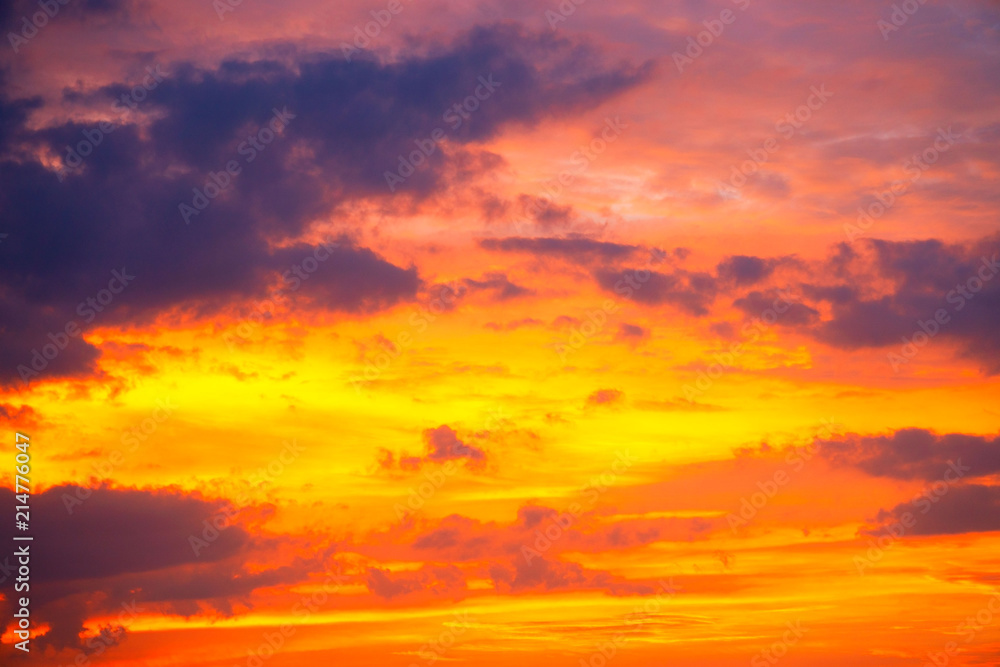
{"points": [[443, 445], [872, 294], [631, 333], [961, 283], [499, 285], [691, 292], [96, 549], [915, 453], [579, 249], [745, 270], [13, 11], [961, 509], [794, 314], [446, 581], [347, 124]]}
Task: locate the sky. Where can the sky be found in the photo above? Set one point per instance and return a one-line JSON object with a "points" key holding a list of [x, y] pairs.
{"points": [[532, 333]]}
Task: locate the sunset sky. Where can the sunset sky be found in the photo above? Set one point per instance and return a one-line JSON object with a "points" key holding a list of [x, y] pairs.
{"points": [[502, 333]]}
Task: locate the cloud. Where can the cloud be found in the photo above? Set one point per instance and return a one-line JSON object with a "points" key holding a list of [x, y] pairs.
{"points": [[546, 574], [577, 249], [442, 445], [915, 453], [605, 397], [873, 294], [105, 546], [925, 278], [745, 270], [347, 124], [972, 508], [462, 539], [12, 11], [352, 279], [631, 333], [679, 404], [18, 418], [498, 283], [756, 303], [437, 581], [691, 292], [515, 324], [508, 553]]}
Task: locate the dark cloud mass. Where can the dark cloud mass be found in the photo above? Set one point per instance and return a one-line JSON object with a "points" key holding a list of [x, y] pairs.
{"points": [[964, 509], [873, 294], [442, 445], [106, 547], [346, 124], [576, 249], [915, 453], [691, 292], [744, 270], [959, 283]]}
